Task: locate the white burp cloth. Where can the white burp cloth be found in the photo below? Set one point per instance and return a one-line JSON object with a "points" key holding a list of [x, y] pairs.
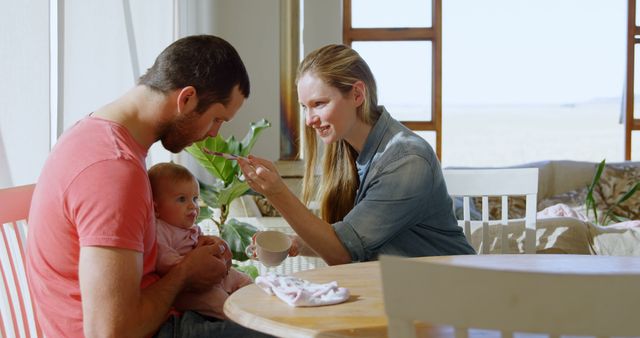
{"points": [[299, 292]]}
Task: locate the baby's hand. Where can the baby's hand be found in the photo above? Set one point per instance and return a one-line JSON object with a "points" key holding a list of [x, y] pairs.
{"points": [[226, 255]]}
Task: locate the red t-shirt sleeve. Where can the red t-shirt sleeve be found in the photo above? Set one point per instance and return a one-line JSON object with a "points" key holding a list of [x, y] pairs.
{"points": [[111, 203]]}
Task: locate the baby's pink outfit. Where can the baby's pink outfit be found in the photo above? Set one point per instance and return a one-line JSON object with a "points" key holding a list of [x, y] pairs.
{"points": [[175, 242]]}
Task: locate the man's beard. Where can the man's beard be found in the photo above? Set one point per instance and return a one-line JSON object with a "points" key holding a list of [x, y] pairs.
{"points": [[178, 134]]}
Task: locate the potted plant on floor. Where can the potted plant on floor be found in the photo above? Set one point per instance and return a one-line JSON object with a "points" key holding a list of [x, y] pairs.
{"points": [[610, 214], [228, 186]]}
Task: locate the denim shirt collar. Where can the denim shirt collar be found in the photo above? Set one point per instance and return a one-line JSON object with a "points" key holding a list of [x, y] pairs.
{"points": [[371, 145]]}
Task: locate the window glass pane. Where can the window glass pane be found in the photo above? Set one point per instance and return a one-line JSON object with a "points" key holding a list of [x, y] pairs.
{"points": [[533, 84], [385, 13], [403, 76], [499, 135]]}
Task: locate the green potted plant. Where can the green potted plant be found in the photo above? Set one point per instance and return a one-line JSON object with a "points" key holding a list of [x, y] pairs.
{"points": [[228, 186], [609, 216]]}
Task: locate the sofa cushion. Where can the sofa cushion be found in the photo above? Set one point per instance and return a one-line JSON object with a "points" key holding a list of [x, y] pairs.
{"points": [[557, 235], [574, 198], [614, 183], [616, 180], [564, 235]]}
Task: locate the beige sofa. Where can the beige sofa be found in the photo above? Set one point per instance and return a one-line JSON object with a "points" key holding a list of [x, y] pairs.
{"points": [[562, 187], [560, 176]]}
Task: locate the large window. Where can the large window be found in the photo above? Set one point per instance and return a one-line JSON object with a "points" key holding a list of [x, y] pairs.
{"points": [[522, 81], [401, 42]]}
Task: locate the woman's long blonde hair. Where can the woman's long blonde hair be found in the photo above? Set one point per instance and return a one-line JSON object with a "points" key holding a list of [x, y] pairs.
{"points": [[338, 66]]}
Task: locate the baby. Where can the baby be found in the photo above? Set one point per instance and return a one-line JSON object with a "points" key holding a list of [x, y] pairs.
{"points": [[175, 198]]}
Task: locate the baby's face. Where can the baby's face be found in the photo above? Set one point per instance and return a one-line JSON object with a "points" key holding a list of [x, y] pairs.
{"points": [[177, 204]]}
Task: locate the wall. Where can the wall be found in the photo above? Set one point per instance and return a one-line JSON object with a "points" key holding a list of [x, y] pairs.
{"points": [[253, 27], [97, 67], [24, 91], [97, 63], [322, 23]]}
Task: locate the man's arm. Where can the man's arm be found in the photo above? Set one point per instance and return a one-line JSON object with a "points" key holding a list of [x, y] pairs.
{"points": [[114, 305], [318, 235]]}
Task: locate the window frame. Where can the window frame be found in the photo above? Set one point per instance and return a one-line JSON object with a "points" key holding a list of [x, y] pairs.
{"points": [[432, 34], [633, 38]]}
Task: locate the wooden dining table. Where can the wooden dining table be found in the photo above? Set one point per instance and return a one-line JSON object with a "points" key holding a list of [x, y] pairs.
{"points": [[362, 315]]}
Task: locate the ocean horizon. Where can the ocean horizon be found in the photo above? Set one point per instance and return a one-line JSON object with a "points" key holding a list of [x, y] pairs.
{"points": [[512, 134]]}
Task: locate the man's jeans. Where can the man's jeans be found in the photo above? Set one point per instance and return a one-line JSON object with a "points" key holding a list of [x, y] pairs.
{"points": [[192, 324]]}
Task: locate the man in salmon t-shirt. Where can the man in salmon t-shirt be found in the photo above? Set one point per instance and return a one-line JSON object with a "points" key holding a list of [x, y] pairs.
{"points": [[91, 248]]}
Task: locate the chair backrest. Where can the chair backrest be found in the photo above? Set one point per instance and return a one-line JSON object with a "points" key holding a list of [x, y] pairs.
{"points": [[16, 307], [504, 183], [475, 298]]}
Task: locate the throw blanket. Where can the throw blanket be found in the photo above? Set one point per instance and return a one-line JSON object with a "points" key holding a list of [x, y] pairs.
{"points": [[617, 239]]}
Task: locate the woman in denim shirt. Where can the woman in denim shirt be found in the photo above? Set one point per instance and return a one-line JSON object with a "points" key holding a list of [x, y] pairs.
{"points": [[381, 189]]}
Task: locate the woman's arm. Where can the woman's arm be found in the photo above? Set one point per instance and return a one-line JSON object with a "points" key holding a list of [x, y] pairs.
{"points": [[319, 235], [300, 247]]}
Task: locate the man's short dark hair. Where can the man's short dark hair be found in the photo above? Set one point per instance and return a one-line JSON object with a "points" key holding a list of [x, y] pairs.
{"points": [[206, 62]]}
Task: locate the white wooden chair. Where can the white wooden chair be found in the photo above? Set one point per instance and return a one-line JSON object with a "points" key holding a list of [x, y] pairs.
{"points": [[17, 313], [500, 303], [485, 183]]}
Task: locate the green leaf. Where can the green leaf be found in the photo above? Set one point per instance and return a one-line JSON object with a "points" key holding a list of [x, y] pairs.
{"points": [[236, 189], [223, 169], [217, 166], [610, 212], [238, 235], [250, 270], [590, 202], [233, 145], [209, 194], [617, 218], [250, 139], [228, 186], [205, 213], [628, 194]]}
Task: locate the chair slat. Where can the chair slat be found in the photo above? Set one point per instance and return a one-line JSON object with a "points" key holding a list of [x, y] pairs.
{"points": [[29, 307], [530, 224], [11, 314], [5, 306], [485, 225], [467, 217], [504, 223], [18, 318]]}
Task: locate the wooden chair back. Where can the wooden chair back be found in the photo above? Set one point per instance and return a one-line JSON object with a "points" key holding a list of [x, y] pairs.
{"points": [[481, 299], [503, 183], [18, 318]]}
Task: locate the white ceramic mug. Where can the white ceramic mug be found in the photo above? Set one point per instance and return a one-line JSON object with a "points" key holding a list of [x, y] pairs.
{"points": [[271, 247]]}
